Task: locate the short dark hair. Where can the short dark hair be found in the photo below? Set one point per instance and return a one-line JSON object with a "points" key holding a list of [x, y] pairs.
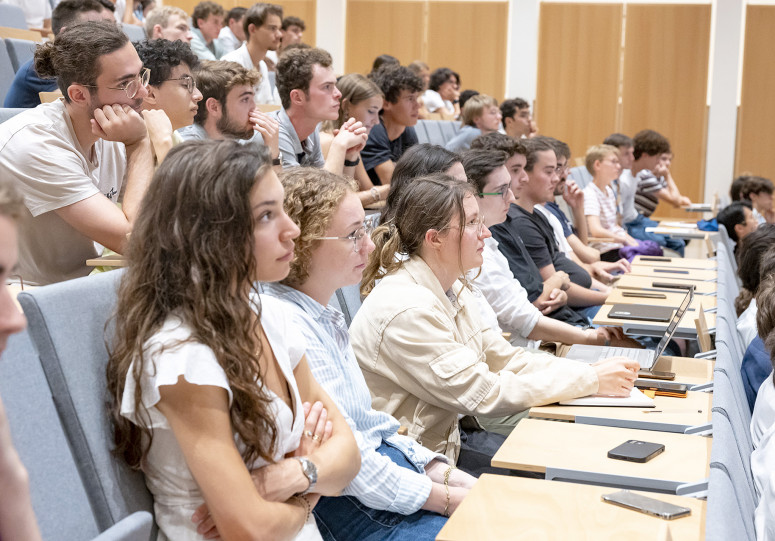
{"points": [[294, 70], [756, 185], [107, 4], [500, 142], [383, 60], [441, 76], [479, 163], [736, 187], [67, 11], [257, 14], [216, 78], [393, 79], [420, 160], [618, 140], [73, 57], [234, 14], [466, 95], [749, 256], [204, 9], [290, 20], [649, 142], [561, 148], [732, 215], [161, 55], [510, 107], [534, 145]]}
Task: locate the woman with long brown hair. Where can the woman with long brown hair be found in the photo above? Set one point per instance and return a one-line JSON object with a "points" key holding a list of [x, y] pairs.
{"points": [[207, 378]]}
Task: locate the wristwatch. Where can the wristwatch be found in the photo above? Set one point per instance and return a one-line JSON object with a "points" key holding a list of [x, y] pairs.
{"points": [[310, 471]]}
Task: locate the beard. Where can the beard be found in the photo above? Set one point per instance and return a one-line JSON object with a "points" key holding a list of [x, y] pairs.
{"points": [[95, 103], [231, 128]]}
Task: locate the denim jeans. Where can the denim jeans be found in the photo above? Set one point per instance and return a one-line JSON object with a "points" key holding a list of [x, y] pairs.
{"points": [[637, 229], [345, 518]]}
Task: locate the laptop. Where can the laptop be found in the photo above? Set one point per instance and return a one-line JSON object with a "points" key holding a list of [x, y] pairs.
{"points": [[645, 357], [641, 312]]}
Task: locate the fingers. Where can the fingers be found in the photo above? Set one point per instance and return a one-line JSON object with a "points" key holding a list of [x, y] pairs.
{"points": [[327, 431], [320, 427]]}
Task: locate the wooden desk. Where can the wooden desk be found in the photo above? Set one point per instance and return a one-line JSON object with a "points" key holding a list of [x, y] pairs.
{"points": [[678, 232], [501, 507], [687, 369], [646, 282], [670, 414], [673, 300], [678, 263], [686, 328], [666, 274], [573, 451], [112, 260]]}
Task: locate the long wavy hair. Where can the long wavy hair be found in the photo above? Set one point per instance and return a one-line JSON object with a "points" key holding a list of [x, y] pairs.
{"points": [[191, 255], [429, 202]]}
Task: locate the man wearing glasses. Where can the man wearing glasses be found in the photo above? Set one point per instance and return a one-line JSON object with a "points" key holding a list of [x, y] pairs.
{"points": [[172, 91], [72, 158]]}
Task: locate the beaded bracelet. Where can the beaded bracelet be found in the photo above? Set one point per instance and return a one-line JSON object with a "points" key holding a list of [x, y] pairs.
{"points": [[446, 489], [305, 503]]}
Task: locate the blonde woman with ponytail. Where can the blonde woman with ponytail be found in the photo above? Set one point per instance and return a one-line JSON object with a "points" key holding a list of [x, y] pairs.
{"points": [[426, 356]]}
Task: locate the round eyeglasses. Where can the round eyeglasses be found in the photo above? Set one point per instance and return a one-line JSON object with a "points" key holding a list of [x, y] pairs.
{"points": [[357, 237], [131, 87], [188, 82]]}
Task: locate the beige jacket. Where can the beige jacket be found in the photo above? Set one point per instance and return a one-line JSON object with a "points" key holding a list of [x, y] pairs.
{"points": [[427, 359]]}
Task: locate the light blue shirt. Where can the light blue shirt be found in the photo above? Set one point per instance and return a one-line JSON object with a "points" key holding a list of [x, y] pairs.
{"points": [[380, 484], [199, 47]]}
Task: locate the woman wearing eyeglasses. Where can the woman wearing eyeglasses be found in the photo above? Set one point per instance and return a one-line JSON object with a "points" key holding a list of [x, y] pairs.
{"points": [[424, 352], [400, 491]]}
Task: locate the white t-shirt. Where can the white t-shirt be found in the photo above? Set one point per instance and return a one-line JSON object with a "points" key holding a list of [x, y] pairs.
{"points": [[35, 11], [559, 233], [433, 102], [40, 152], [763, 460], [746, 324], [264, 92], [506, 296], [175, 491], [228, 40]]}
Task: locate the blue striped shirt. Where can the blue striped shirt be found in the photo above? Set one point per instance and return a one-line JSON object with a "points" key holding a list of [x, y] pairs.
{"points": [[380, 484]]}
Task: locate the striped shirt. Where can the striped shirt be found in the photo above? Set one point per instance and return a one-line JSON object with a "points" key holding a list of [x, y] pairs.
{"points": [[603, 204], [380, 484], [647, 188]]}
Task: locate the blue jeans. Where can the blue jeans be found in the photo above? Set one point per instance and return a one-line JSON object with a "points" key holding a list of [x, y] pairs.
{"points": [[345, 518], [637, 229]]}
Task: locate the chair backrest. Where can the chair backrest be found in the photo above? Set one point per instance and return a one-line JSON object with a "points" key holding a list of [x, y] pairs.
{"points": [[349, 300], [6, 74], [449, 129], [7, 113], [703, 333], [727, 402], [58, 496], [67, 323], [20, 51], [133, 31], [431, 131], [48, 97], [13, 16], [580, 175], [724, 518]]}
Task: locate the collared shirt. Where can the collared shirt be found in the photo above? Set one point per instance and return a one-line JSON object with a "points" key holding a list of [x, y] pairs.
{"points": [[228, 40], [516, 314], [427, 360], [200, 48], [294, 153], [762, 458], [380, 483], [557, 228], [263, 89]]}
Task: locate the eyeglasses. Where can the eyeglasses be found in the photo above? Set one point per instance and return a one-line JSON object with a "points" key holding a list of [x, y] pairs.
{"points": [[190, 84], [133, 86], [477, 225], [357, 237], [503, 191]]}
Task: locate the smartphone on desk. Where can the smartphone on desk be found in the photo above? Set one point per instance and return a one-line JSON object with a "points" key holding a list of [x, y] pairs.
{"points": [[644, 295], [644, 504], [663, 388], [636, 451], [656, 374]]}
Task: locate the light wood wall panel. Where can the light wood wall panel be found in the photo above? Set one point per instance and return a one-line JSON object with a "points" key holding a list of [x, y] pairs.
{"points": [[470, 38], [578, 73], [665, 86], [755, 133], [304, 9], [376, 27]]}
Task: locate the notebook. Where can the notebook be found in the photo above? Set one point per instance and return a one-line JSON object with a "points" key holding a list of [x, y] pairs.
{"points": [[646, 358], [636, 400]]}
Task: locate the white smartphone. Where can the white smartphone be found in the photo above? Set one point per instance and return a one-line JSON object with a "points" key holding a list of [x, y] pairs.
{"points": [[644, 504]]}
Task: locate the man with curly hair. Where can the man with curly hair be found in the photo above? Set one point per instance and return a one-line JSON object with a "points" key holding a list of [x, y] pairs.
{"points": [[307, 87], [394, 134]]}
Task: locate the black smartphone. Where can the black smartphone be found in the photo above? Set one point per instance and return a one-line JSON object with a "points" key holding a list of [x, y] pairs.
{"points": [[672, 271], [661, 385], [644, 295], [660, 259], [636, 451], [667, 285], [655, 374], [644, 504]]}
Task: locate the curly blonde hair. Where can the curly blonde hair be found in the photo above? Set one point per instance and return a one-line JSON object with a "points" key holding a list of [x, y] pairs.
{"points": [[312, 197]]}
